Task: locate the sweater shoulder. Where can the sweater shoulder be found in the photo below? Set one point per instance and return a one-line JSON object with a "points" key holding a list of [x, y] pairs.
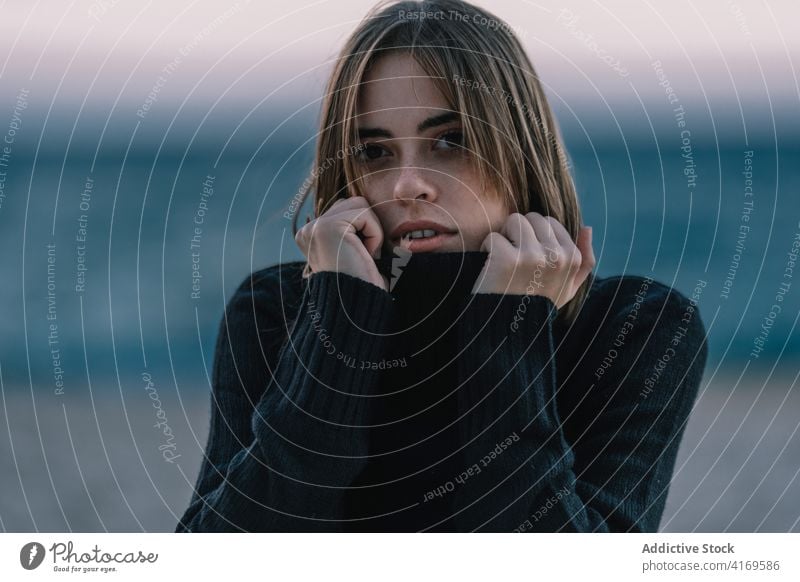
{"points": [[253, 327], [626, 326], [617, 295], [279, 274], [273, 286], [617, 301]]}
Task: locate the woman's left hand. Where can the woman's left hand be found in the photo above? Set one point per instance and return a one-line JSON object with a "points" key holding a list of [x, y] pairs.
{"points": [[534, 255]]}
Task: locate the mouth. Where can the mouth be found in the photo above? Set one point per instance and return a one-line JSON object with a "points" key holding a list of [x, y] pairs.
{"points": [[424, 240], [421, 236]]}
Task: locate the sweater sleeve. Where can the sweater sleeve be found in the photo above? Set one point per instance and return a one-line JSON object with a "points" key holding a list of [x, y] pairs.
{"points": [[521, 473], [286, 438]]}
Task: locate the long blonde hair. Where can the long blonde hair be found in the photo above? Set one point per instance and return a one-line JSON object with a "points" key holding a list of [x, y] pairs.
{"points": [[483, 72]]}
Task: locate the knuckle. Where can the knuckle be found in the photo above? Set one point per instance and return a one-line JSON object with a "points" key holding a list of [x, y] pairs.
{"points": [[536, 258], [555, 224], [555, 260]]}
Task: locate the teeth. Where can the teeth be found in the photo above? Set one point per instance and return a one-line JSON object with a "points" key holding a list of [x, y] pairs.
{"points": [[427, 233]]}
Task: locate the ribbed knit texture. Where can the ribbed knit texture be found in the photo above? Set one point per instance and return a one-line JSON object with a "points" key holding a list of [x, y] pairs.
{"points": [[338, 406]]}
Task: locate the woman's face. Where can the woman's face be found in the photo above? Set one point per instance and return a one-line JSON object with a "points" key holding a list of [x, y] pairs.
{"points": [[421, 184]]}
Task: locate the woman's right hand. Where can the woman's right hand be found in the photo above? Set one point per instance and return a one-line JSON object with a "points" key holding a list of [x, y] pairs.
{"points": [[331, 241]]}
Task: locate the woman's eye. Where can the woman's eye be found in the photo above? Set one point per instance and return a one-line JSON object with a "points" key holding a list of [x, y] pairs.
{"points": [[450, 140], [370, 152]]}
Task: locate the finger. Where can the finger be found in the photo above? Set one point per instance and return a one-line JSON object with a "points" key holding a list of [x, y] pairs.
{"points": [[585, 247], [302, 235], [560, 232], [543, 230], [344, 204], [519, 232], [357, 212], [570, 249], [364, 222], [495, 242]]}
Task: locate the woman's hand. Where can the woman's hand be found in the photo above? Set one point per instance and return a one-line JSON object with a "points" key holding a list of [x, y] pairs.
{"points": [[331, 242], [534, 255]]}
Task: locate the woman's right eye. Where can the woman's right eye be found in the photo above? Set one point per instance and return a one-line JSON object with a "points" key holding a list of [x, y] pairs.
{"points": [[371, 152]]}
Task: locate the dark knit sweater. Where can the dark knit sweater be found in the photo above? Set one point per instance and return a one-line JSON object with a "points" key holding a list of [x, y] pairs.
{"points": [[338, 406]]}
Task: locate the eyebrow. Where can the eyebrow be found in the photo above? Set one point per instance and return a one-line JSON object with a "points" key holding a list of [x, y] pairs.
{"points": [[436, 120]]}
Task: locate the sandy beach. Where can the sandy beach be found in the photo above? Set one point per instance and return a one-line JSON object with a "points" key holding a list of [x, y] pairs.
{"points": [[105, 461]]}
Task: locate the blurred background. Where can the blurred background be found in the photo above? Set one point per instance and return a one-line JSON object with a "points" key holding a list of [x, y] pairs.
{"points": [[123, 124]]}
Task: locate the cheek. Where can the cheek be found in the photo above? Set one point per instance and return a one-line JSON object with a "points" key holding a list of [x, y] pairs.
{"points": [[487, 216], [374, 188], [500, 215], [487, 211]]}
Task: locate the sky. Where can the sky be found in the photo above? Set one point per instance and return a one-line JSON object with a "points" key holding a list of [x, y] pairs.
{"points": [[243, 54]]}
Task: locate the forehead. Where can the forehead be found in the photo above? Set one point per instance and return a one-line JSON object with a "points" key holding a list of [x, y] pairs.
{"points": [[398, 84]]}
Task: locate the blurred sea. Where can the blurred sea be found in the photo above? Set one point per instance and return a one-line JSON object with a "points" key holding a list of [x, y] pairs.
{"points": [[74, 459], [136, 306]]}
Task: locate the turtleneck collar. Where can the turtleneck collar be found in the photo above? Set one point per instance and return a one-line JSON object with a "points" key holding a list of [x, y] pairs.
{"points": [[425, 285], [447, 271]]}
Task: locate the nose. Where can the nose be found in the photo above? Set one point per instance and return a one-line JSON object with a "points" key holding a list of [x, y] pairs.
{"points": [[415, 183]]}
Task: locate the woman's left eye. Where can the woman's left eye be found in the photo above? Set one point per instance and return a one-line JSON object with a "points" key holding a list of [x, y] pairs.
{"points": [[450, 140]]}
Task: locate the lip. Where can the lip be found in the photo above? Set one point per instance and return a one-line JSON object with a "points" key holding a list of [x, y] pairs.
{"points": [[421, 245], [418, 245], [410, 225]]}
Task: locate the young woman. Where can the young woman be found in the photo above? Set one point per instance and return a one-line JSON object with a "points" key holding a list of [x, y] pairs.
{"points": [[444, 360]]}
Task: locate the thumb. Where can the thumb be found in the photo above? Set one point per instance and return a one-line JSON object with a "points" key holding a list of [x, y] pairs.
{"points": [[483, 277], [486, 245], [584, 244]]}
